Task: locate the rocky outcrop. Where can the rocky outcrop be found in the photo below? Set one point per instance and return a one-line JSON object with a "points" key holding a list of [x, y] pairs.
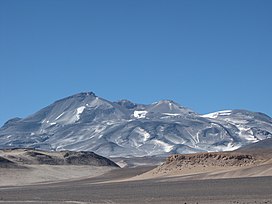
{"points": [[86, 158], [211, 159]]}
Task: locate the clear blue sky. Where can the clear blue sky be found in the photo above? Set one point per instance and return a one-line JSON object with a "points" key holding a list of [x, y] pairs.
{"points": [[206, 55]]}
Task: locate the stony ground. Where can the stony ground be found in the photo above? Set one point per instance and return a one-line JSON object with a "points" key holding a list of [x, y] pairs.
{"points": [[162, 191]]}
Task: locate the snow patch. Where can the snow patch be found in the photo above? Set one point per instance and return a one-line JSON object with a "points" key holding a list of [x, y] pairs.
{"points": [[216, 114], [59, 116], [139, 114], [229, 147], [79, 111], [142, 132], [171, 114], [246, 133], [99, 129], [171, 106], [165, 146], [235, 121]]}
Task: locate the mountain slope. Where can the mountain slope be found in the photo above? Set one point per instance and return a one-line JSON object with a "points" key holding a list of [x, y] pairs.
{"points": [[86, 122]]}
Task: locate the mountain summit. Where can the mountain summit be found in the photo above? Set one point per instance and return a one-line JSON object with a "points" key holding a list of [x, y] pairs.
{"points": [[86, 122]]}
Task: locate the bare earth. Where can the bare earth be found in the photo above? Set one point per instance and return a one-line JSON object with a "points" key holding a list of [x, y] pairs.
{"points": [[48, 173], [212, 166], [162, 191], [206, 178], [27, 166]]}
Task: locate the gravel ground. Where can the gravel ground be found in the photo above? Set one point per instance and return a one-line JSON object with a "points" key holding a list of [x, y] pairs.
{"points": [[162, 191]]}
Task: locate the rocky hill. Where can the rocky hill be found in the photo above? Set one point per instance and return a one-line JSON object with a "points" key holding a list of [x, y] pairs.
{"points": [[251, 160], [17, 157]]}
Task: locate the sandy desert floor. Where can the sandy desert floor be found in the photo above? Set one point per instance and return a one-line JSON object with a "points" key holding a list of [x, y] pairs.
{"points": [[163, 190], [208, 172], [190, 179], [48, 173]]}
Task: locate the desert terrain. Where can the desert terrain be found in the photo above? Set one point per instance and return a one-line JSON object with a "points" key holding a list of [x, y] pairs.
{"points": [[212, 166], [243, 176], [28, 166]]}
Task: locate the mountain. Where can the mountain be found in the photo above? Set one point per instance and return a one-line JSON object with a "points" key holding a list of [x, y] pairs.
{"points": [[86, 122], [261, 145], [260, 148]]}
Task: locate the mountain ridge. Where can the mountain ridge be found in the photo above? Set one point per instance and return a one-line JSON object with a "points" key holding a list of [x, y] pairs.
{"points": [[86, 122]]}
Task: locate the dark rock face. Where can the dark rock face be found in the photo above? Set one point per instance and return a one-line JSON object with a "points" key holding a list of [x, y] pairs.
{"points": [[127, 104], [41, 158], [5, 163], [86, 158]]}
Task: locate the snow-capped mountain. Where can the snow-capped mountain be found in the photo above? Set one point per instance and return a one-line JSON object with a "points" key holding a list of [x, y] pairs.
{"points": [[125, 129]]}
